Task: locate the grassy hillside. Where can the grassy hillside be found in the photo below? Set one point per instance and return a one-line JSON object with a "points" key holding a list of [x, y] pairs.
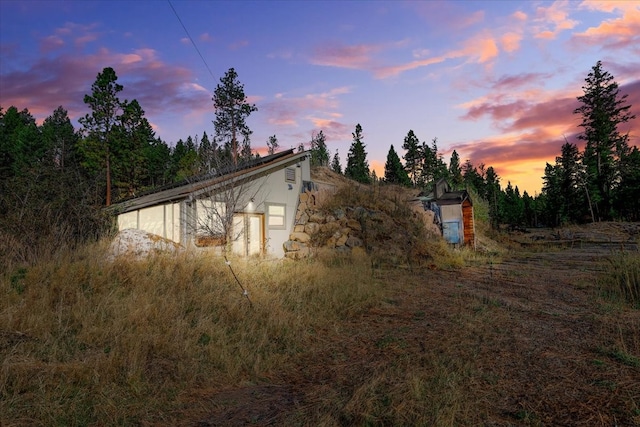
{"points": [[442, 337]]}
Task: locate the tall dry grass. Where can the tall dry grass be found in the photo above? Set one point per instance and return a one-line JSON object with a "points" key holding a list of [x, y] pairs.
{"points": [[85, 341], [622, 276]]}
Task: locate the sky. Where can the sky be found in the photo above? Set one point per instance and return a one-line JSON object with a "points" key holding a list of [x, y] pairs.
{"points": [[497, 81]]}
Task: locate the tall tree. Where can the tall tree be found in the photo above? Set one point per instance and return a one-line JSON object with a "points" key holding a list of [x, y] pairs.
{"points": [[232, 110], [394, 172], [133, 134], [493, 195], [472, 178], [335, 163], [20, 143], [61, 138], [357, 164], [319, 152], [206, 154], [272, 145], [627, 200], [603, 109], [99, 125], [569, 179], [413, 156], [455, 171]]}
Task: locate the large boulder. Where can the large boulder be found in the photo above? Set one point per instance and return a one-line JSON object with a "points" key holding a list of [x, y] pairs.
{"points": [[138, 244]]}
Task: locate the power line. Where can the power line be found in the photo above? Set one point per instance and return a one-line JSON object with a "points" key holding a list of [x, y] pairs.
{"points": [[192, 42]]}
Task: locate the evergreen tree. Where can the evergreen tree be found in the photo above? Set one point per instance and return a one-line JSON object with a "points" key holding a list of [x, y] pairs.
{"points": [[272, 145], [413, 156], [20, 143], [493, 195], [232, 110], [433, 166], [158, 155], [61, 139], [627, 200], [206, 154], [552, 195], [472, 178], [394, 172], [357, 165], [319, 152], [603, 109], [455, 171], [99, 125], [569, 179], [335, 163], [132, 135], [513, 207]]}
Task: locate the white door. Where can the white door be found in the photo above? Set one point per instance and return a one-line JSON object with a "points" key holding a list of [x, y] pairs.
{"points": [[247, 234]]}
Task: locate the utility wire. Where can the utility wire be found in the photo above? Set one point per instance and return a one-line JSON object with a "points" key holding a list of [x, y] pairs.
{"points": [[190, 38]]}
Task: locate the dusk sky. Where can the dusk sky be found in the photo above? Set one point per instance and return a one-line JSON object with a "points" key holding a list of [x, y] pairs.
{"points": [[496, 81]]}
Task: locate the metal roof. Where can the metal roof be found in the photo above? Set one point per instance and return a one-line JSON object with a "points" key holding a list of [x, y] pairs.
{"points": [[211, 181]]}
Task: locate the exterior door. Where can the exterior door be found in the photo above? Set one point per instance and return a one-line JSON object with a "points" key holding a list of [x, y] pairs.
{"points": [[248, 233], [451, 231]]}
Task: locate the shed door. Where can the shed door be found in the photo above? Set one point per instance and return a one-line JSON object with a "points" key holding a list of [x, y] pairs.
{"points": [[451, 231]]}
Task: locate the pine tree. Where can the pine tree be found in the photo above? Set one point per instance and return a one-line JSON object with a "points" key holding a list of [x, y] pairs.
{"points": [[272, 145], [357, 165], [413, 156], [232, 110], [603, 109], [394, 172], [335, 163], [319, 152], [455, 171], [132, 135], [99, 125]]}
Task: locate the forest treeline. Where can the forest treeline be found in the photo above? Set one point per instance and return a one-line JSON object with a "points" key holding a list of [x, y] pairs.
{"points": [[55, 180]]}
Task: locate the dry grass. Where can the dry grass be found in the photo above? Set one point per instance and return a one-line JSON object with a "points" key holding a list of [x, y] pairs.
{"points": [[440, 338], [623, 276], [86, 341]]}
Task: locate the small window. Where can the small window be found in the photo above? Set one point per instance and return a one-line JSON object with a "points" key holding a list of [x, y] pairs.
{"points": [[290, 175], [276, 217]]}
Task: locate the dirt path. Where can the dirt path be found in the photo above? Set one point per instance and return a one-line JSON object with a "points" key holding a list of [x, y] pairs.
{"points": [[527, 341]]}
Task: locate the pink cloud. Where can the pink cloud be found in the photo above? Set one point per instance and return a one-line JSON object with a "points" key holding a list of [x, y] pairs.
{"points": [[51, 43], [551, 21], [620, 32], [510, 41], [447, 14], [64, 80], [510, 82], [205, 37], [289, 112], [339, 55]]}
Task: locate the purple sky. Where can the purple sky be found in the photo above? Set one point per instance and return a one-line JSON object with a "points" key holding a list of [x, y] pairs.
{"points": [[496, 81]]}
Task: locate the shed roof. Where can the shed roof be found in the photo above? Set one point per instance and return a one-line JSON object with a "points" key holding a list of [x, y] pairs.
{"points": [[454, 198], [211, 181]]}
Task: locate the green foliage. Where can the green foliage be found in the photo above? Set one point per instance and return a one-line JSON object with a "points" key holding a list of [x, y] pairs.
{"points": [[272, 145], [231, 110], [602, 110], [455, 172], [413, 156], [99, 126], [357, 165], [319, 152], [335, 163], [394, 172]]}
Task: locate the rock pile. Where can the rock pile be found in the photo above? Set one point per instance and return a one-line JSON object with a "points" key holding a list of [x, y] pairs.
{"points": [[338, 230], [344, 230]]}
